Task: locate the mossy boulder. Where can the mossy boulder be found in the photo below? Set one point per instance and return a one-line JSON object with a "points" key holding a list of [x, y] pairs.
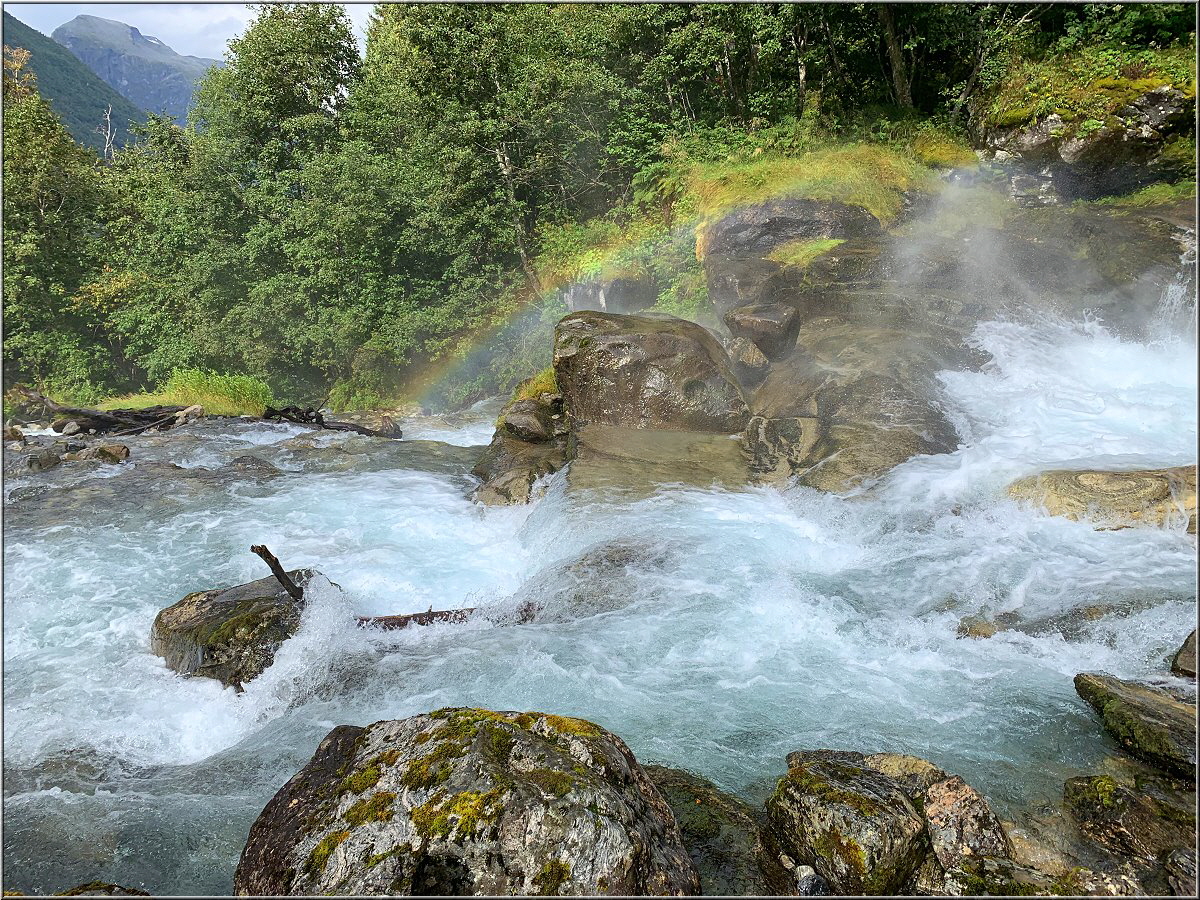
{"points": [[1154, 497], [230, 634], [855, 826], [724, 837], [1146, 720], [756, 230], [1130, 822], [646, 372], [468, 801], [530, 442]]}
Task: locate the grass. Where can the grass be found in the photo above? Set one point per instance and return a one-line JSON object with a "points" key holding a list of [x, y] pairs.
{"points": [[799, 254], [543, 382], [1153, 195], [220, 395], [1087, 87]]}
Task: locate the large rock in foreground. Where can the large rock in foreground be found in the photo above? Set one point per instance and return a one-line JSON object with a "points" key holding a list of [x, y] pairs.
{"points": [[723, 836], [1114, 499], [468, 801], [230, 634], [1147, 721], [646, 372]]}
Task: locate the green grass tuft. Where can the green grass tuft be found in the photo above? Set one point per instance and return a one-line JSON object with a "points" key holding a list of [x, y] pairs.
{"points": [[220, 395], [802, 252]]}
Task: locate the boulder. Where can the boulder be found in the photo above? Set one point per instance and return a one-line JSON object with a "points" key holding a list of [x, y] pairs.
{"points": [[230, 634], [646, 372], [106, 453], [530, 441], [735, 281], [1130, 822], [13, 433], [754, 231], [748, 361], [189, 414], [992, 877], [468, 801], [1155, 497], [724, 837], [41, 460], [1146, 720], [855, 826], [1184, 661], [771, 328]]}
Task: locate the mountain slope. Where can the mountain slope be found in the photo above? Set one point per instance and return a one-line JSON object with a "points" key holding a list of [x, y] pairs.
{"points": [[77, 96], [140, 67]]}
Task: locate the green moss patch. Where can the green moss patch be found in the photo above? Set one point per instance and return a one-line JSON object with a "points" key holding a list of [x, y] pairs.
{"points": [[552, 781], [552, 877], [461, 814], [798, 254], [570, 725], [320, 853], [376, 808]]}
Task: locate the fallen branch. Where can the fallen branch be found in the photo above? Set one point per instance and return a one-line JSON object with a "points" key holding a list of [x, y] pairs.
{"points": [[311, 416], [281, 576], [117, 418]]}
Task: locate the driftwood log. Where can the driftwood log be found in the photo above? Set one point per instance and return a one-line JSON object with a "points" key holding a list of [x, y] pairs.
{"points": [[116, 422], [388, 623], [311, 416]]}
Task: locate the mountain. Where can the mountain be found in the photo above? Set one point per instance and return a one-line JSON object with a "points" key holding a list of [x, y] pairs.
{"points": [[140, 67], [76, 95]]}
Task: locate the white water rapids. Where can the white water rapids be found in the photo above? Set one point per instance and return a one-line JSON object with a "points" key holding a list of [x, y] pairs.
{"points": [[736, 626]]}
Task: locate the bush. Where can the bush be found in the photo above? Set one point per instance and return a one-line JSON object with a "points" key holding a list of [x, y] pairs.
{"points": [[222, 395]]}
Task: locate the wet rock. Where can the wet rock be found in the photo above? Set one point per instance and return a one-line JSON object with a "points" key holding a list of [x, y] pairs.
{"points": [[69, 428], [468, 801], [1156, 497], [254, 467], [737, 281], [1181, 871], [723, 836], [530, 442], [101, 889], [1146, 720], [614, 295], [989, 877], [41, 461], [748, 362], [755, 231], [852, 824], [106, 453], [810, 884], [771, 328], [1130, 822], [190, 414], [777, 448], [230, 634], [13, 433], [646, 372], [1184, 661]]}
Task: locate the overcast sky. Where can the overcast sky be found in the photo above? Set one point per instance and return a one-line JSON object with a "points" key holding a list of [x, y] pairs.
{"points": [[193, 29]]}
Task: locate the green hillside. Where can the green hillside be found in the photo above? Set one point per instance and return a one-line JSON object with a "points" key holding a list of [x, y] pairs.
{"points": [[76, 94]]}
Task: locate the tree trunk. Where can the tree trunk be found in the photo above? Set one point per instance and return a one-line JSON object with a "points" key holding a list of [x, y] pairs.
{"points": [[900, 80]]}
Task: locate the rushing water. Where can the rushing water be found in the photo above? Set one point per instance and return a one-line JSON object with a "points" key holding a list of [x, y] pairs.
{"points": [[726, 627]]}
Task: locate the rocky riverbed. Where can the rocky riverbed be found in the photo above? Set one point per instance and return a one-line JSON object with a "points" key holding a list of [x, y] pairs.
{"points": [[703, 564]]}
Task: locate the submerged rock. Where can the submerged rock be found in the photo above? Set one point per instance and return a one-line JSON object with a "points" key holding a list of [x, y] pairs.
{"points": [[646, 372], [468, 801], [724, 837], [1184, 661], [1114, 499], [1131, 822], [230, 634], [1146, 720], [106, 453], [101, 889]]}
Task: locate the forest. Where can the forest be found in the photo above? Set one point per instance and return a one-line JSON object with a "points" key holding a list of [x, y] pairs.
{"points": [[346, 227]]}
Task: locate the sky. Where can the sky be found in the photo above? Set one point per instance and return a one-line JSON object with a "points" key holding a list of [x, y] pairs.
{"points": [[193, 29]]}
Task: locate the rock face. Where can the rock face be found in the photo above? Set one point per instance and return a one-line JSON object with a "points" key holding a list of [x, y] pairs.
{"points": [[1054, 160], [1184, 662], [1114, 499], [230, 634], [468, 801], [755, 231], [723, 836], [1146, 720], [614, 295], [646, 372], [530, 441], [882, 824]]}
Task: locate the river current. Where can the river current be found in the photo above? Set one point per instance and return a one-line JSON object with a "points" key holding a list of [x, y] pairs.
{"points": [[714, 630]]}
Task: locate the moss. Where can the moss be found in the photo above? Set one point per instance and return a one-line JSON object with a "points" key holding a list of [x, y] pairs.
{"points": [[378, 808], [320, 853], [832, 845], [376, 858], [247, 617], [360, 781], [461, 814], [552, 877], [433, 768], [1153, 195], [551, 781], [810, 783], [1069, 884], [798, 254], [577, 727]]}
